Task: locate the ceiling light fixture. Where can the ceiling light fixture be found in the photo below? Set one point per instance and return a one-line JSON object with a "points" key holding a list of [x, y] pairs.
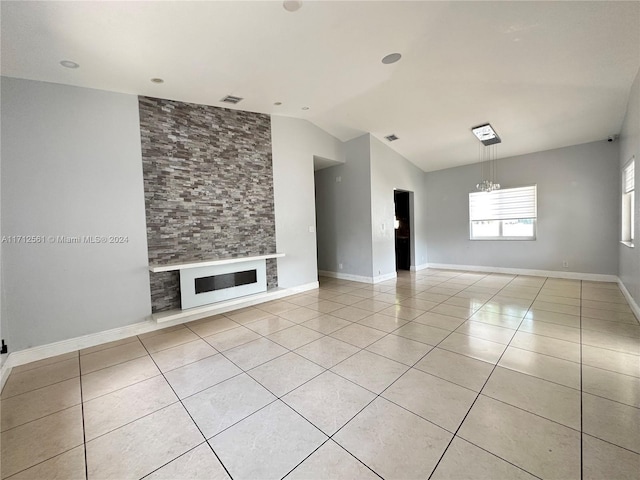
{"points": [[488, 154], [157, 80], [391, 58], [392, 138], [69, 64], [292, 5], [486, 134]]}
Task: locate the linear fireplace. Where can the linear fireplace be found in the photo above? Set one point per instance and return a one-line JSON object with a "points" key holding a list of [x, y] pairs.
{"points": [[212, 281], [225, 280], [204, 285]]}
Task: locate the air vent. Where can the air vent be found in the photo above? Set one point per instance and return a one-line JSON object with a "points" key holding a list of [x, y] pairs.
{"points": [[231, 99], [391, 138]]}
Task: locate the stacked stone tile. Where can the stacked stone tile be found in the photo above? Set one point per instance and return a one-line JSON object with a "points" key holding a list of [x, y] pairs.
{"points": [[208, 183]]}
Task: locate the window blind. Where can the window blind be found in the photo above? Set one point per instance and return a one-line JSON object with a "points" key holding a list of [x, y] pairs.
{"points": [[506, 204], [629, 177]]}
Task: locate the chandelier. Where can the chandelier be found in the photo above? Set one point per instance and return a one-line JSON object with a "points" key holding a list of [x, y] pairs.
{"points": [[487, 154], [487, 186]]}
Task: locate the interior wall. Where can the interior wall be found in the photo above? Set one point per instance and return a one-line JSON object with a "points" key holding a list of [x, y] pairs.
{"points": [[208, 182], [343, 200], [629, 258], [71, 169], [295, 142], [3, 327], [578, 212], [389, 171]]}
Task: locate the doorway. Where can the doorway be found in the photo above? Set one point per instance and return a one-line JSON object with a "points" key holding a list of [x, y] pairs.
{"points": [[403, 229]]}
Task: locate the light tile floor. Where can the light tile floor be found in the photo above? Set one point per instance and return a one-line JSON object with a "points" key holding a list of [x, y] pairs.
{"points": [[437, 374]]}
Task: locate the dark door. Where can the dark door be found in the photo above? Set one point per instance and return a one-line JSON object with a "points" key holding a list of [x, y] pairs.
{"points": [[403, 230]]}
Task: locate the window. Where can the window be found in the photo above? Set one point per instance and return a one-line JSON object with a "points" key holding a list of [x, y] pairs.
{"points": [[628, 203], [508, 214]]}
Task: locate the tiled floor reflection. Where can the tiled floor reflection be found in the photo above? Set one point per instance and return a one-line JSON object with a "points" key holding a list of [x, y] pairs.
{"points": [[438, 374]]}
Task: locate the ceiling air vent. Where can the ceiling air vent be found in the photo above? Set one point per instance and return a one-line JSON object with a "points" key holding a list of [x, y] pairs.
{"points": [[391, 137], [231, 99]]}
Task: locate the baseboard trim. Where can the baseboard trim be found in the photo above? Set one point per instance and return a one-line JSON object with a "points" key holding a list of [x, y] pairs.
{"points": [[415, 268], [593, 277], [345, 276], [85, 341], [632, 303], [358, 278], [385, 277], [5, 370]]}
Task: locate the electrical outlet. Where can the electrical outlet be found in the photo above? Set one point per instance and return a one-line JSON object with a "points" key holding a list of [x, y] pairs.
{"points": [[340, 266], [338, 179], [565, 264]]}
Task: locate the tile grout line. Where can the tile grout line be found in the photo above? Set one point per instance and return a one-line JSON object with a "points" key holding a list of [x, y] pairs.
{"points": [[188, 413], [40, 388], [330, 437], [410, 367], [84, 431], [325, 369], [41, 366], [377, 395], [482, 388], [495, 366], [277, 397], [53, 413], [581, 395]]}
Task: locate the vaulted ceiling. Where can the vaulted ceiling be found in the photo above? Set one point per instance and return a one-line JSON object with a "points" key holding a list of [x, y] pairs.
{"points": [[545, 74]]}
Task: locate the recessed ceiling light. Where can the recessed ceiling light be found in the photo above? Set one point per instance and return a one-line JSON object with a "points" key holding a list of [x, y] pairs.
{"points": [[292, 5], [157, 80], [278, 103], [486, 134], [392, 138], [391, 58], [305, 108], [69, 64]]}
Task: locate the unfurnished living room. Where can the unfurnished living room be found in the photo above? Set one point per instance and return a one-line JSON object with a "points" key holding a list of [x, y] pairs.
{"points": [[319, 240]]}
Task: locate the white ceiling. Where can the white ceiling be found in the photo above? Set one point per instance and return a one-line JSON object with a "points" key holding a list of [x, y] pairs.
{"points": [[545, 74]]}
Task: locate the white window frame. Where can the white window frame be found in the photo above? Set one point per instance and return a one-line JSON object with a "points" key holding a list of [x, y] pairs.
{"points": [[503, 205], [628, 204]]}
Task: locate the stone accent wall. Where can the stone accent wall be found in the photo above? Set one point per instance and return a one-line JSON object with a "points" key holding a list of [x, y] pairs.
{"points": [[208, 185]]}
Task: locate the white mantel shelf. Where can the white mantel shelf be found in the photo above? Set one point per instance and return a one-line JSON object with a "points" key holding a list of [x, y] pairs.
{"points": [[210, 263]]}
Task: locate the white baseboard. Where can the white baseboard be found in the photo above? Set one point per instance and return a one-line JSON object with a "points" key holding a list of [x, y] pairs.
{"points": [[5, 370], [345, 276], [593, 277], [71, 345], [385, 277], [415, 268], [632, 303], [357, 278]]}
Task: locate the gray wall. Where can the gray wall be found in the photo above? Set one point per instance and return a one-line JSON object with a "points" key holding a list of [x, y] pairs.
{"points": [[390, 171], [3, 328], [208, 183], [71, 165], [295, 142], [578, 205], [629, 258], [343, 212]]}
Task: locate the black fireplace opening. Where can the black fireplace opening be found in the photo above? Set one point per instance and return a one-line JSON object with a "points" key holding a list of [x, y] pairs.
{"points": [[225, 280]]}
